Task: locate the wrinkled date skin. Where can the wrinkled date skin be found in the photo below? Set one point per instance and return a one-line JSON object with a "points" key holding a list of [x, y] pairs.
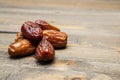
{"points": [[44, 51], [19, 36], [31, 31], [56, 38], [46, 26], [21, 48]]}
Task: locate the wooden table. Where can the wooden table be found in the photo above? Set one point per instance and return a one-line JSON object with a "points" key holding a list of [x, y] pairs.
{"points": [[93, 49]]}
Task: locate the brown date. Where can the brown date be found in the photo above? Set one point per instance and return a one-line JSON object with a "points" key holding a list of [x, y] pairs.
{"points": [[44, 51], [19, 36], [56, 38], [46, 26], [20, 48], [31, 31]]}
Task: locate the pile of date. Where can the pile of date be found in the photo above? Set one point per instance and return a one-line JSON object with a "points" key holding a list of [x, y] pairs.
{"points": [[39, 38]]}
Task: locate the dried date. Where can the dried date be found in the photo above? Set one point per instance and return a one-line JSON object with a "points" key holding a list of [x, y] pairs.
{"points": [[19, 36], [21, 47], [46, 26], [44, 51], [31, 31], [56, 38]]}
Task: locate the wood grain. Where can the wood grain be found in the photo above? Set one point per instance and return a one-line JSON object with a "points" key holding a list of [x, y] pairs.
{"points": [[93, 49]]}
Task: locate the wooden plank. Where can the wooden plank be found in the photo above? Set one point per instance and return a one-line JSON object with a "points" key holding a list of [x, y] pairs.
{"points": [[81, 17], [72, 4]]}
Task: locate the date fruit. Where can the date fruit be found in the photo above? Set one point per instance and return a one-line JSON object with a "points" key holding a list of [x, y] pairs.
{"points": [[31, 31], [21, 48], [56, 38], [19, 36], [46, 26], [44, 51]]}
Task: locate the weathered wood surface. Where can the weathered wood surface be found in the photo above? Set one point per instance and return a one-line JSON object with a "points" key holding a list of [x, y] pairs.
{"points": [[93, 50]]}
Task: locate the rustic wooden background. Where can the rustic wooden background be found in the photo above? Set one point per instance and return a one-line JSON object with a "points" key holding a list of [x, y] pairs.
{"points": [[93, 50]]}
